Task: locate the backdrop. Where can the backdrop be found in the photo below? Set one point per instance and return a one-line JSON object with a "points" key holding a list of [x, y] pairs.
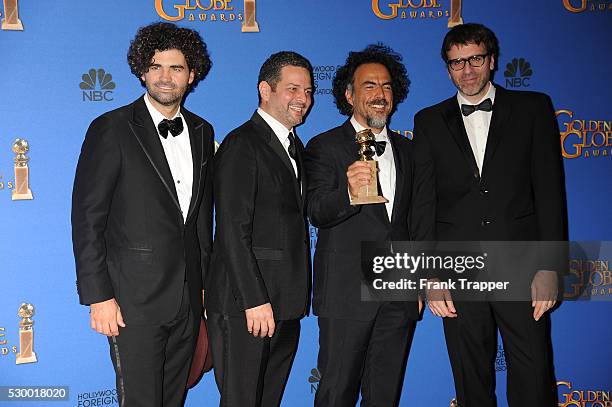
{"points": [[63, 63]]}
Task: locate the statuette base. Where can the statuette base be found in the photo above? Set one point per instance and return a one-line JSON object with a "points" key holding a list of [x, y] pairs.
{"points": [[23, 196], [17, 26]]}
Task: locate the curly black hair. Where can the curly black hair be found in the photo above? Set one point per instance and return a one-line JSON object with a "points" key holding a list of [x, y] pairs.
{"points": [[470, 33], [164, 36], [372, 54]]}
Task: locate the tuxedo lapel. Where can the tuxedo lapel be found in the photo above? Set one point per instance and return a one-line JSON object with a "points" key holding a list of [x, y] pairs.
{"points": [[273, 142], [501, 114], [143, 129], [352, 148], [196, 138], [454, 122]]}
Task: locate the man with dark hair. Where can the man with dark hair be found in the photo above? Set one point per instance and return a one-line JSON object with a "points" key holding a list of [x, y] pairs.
{"points": [[258, 287], [496, 160], [361, 343], [142, 219]]}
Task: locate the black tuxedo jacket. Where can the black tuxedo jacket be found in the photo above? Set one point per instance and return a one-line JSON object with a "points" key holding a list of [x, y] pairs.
{"points": [[129, 238], [520, 195], [261, 249], [342, 227]]}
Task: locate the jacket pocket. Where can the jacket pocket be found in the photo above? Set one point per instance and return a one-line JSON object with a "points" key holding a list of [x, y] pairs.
{"points": [[266, 253], [445, 220], [525, 213]]}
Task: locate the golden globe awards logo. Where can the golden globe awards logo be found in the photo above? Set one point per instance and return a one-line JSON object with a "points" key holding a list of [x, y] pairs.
{"points": [[584, 138], [19, 185], [209, 11], [418, 9], [10, 19], [579, 6], [588, 279], [570, 397], [24, 352]]}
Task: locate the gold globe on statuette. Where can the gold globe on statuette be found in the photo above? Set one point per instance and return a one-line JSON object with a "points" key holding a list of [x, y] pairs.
{"points": [[368, 194], [26, 335]]}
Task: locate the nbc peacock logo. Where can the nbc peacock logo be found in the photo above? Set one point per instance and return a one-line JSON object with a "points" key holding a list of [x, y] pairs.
{"points": [[518, 73], [314, 379], [97, 86]]}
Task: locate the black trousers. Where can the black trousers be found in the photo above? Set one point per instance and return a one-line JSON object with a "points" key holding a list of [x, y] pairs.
{"points": [[471, 339], [370, 355], [250, 371], [152, 361]]}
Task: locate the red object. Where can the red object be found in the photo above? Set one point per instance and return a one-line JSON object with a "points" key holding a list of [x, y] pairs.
{"points": [[202, 358]]}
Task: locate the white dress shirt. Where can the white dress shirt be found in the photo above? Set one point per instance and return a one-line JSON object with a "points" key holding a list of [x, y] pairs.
{"points": [[282, 133], [178, 154], [386, 166], [477, 126]]}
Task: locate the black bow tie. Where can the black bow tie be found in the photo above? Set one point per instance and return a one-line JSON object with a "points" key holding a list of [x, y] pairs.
{"points": [[380, 147], [175, 126], [486, 106]]}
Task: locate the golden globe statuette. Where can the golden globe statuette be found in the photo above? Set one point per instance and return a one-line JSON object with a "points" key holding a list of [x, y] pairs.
{"points": [[22, 188], [250, 22], [455, 14], [26, 335], [368, 194], [11, 20]]}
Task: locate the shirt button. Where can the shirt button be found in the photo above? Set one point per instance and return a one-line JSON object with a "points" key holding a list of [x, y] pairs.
{"points": [[178, 181]]}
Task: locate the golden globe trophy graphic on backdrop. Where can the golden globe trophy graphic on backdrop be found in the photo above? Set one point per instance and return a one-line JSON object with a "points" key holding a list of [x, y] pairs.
{"points": [[26, 335], [455, 14], [250, 22], [368, 194], [11, 19], [22, 184]]}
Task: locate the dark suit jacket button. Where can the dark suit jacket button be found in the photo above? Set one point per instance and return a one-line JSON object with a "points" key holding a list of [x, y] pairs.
{"points": [[485, 222], [483, 191]]}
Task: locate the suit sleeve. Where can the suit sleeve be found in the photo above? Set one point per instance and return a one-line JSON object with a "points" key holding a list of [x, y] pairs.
{"points": [[94, 184], [328, 202], [235, 185], [423, 205], [548, 183], [205, 220]]}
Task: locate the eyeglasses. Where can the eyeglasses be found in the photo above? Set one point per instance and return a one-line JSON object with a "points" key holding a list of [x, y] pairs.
{"points": [[475, 61]]}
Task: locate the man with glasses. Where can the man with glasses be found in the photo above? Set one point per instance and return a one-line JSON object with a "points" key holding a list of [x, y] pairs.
{"points": [[496, 160]]}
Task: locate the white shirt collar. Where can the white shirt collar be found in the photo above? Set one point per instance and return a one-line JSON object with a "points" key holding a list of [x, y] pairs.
{"points": [[277, 127], [155, 114], [490, 94], [382, 136]]}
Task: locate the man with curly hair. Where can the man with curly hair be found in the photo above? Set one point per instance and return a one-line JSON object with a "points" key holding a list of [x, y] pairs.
{"points": [[142, 219], [362, 344]]}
